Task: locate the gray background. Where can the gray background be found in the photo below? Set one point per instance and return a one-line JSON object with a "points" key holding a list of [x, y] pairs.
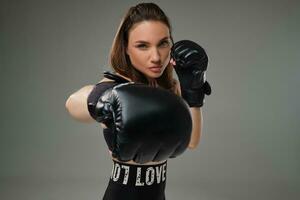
{"points": [[250, 144]]}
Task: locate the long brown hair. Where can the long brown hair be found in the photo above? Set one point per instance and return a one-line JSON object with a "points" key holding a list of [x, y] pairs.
{"points": [[120, 61]]}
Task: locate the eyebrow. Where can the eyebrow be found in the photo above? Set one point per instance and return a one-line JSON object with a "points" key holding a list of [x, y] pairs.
{"points": [[142, 41]]}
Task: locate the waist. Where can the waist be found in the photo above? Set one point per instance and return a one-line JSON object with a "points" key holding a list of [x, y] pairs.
{"points": [[139, 175], [134, 163]]}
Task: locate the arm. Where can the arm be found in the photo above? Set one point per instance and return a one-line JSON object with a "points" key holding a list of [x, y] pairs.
{"points": [[76, 104], [197, 127], [190, 62], [196, 113]]}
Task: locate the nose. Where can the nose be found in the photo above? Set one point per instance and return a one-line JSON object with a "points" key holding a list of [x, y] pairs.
{"points": [[155, 55]]}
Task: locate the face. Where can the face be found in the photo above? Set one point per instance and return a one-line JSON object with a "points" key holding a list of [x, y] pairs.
{"points": [[149, 46]]}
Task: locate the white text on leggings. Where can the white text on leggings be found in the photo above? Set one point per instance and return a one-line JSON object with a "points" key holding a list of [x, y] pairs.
{"points": [[153, 174]]}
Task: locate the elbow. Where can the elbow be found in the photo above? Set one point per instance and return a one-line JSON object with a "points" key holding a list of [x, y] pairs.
{"points": [[194, 143], [69, 106], [192, 146]]}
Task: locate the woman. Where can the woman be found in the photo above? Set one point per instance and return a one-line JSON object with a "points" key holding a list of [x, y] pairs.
{"points": [[140, 53]]}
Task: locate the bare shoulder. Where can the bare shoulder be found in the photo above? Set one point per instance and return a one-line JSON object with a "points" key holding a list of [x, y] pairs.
{"points": [[105, 80]]}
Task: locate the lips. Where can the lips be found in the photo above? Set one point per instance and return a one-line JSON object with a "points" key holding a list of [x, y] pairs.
{"points": [[156, 66], [155, 69]]}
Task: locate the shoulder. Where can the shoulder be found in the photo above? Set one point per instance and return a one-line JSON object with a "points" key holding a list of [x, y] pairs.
{"points": [[114, 76], [105, 80]]}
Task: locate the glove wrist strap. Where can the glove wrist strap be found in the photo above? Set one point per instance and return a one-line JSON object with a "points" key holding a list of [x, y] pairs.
{"points": [[193, 98]]}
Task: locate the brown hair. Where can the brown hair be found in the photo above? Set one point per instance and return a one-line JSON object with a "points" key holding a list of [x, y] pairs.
{"points": [[120, 61]]}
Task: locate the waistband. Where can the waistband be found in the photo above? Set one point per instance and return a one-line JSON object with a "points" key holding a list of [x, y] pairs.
{"points": [[139, 175]]}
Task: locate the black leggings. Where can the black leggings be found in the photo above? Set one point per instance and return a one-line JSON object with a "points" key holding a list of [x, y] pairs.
{"points": [[137, 182]]}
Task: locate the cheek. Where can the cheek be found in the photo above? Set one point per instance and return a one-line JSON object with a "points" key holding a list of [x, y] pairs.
{"points": [[138, 58], [165, 52], [167, 57]]}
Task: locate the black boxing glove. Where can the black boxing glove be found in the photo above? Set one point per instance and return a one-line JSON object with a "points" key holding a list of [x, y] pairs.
{"points": [[150, 124], [92, 100], [191, 64]]}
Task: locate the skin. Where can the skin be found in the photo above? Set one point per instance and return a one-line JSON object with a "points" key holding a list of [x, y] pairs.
{"points": [[149, 44], [154, 50]]}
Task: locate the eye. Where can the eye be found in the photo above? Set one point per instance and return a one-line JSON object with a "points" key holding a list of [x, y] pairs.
{"points": [[141, 46], [164, 43]]}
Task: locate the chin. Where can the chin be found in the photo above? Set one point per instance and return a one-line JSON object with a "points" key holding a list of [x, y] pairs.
{"points": [[154, 75]]}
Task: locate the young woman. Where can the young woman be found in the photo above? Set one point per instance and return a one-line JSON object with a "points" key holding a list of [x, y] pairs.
{"points": [[141, 53]]}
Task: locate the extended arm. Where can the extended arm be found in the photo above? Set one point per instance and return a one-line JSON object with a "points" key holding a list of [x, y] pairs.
{"points": [[76, 104]]}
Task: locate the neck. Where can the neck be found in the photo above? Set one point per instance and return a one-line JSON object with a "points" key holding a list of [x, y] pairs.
{"points": [[152, 82]]}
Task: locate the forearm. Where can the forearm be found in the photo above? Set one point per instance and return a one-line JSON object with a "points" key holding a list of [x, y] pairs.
{"points": [[191, 63], [197, 121]]}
